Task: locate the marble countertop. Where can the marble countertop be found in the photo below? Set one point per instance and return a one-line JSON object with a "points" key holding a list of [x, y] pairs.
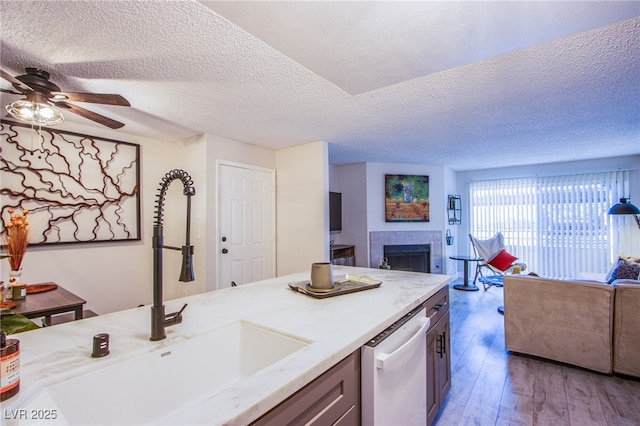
{"points": [[335, 326]]}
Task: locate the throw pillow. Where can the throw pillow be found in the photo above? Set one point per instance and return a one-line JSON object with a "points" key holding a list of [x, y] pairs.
{"points": [[612, 268], [625, 269], [502, 260]]}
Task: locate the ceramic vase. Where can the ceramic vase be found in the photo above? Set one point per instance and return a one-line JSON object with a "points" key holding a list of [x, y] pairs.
{"points": [[14, 276]]}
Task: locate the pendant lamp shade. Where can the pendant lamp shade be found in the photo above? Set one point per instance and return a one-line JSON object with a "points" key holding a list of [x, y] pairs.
{"points": [[624, 207]]}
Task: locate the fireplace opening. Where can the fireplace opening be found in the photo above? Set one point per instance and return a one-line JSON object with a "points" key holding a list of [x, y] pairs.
{"points": [[412, 257]]}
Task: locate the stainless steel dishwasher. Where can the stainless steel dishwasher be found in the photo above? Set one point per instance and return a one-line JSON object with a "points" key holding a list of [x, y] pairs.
{"points": [[394, 373]]}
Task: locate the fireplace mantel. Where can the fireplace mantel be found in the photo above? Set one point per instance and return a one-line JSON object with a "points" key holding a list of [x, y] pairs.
{"points": [[379, 239]]}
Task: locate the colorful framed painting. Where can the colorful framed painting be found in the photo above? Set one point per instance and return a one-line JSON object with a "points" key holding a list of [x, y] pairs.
{"points": [[77, 188], [406, 198]]}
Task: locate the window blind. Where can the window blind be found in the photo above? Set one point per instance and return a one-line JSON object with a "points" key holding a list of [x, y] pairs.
{"points": [[557, 225]]}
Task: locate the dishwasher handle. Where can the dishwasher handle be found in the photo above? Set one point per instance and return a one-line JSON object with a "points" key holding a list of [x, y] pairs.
{"points": [[385, 360]]}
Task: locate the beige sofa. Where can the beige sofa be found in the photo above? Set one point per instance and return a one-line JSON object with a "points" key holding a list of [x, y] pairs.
{"points": [[588, 324]]}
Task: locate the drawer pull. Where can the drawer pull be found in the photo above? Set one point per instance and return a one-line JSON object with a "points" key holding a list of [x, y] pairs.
{"points": [[437, 309]]}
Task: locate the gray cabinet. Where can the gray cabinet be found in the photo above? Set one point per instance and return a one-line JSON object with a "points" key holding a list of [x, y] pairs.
{"points": [[438, 352], [331, 399]]}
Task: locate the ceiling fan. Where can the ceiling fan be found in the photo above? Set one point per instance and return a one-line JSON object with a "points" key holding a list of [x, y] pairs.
{"points": [[43, 100]]}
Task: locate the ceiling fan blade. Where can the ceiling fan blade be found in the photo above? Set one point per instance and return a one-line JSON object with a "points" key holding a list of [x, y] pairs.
{"points": [[16, 83], [96, 98], [94, 116]]}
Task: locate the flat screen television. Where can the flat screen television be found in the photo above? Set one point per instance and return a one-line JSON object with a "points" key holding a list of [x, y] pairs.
{"points": [[335, 211]]}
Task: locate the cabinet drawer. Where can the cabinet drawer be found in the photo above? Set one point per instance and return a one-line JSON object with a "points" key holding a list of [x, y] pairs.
{"points": [[349, 418], [437, 305], [331, 398]]}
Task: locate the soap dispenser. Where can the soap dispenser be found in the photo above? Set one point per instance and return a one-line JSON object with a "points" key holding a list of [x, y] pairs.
{"points": [[9, 366]]}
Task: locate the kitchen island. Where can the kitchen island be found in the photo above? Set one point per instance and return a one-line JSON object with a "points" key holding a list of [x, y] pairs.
{"points": [[330, 329]]}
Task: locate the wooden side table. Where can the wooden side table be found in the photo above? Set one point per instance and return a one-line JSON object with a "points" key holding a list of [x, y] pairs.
{"points": [[343, 253], [50, 303]]}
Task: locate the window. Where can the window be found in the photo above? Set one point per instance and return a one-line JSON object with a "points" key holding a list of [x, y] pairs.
{"points": [[557, 225]]}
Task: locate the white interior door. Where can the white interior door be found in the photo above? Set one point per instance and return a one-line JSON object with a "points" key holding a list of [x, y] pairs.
{"points": [[247, 225]]}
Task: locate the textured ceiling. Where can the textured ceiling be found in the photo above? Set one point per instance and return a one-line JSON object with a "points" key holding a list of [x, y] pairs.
{"points": [[468, 85]]}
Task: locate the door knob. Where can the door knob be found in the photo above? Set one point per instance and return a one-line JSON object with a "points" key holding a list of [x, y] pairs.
{"points": [[224, 239], [225, 251]]}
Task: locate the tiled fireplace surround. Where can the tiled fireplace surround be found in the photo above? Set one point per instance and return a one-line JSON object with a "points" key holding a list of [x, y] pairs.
{"points": [[379, 239]]}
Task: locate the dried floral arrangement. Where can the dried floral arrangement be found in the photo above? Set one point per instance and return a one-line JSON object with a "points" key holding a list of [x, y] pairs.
{"points": [[17, 237]]}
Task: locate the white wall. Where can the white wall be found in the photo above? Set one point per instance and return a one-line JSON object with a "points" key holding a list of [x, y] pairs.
{"points": [[363, 201], [113, 276], [118, 275], [450, 188], [193, 152], [351, 181], [376, 194], [302, 183], [376, 198], [220, 148]]}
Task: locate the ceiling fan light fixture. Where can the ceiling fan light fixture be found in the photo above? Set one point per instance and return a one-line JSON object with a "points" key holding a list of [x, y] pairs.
{"points": [[43, 101], [36, 113]]}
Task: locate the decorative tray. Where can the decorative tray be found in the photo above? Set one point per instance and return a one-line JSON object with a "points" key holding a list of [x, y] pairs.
{"points": [[8, 305], [39, 288], [343, 285]]}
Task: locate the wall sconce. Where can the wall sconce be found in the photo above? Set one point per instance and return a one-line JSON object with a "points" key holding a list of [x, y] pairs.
{"points": [[449, 238], [625, 207]]}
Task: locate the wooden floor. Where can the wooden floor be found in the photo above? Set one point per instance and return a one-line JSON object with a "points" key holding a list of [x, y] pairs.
{"points": [[491, 386]]}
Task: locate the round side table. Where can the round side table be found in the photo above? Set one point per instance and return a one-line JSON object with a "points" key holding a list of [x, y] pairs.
{"points": [[465, 283]]}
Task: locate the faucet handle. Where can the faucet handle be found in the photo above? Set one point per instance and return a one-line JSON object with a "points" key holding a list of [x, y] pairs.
{"points": [[182, 309], [175, 317]]}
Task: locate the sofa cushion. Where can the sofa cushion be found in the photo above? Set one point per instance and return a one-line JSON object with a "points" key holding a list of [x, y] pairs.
{"points": [[502, 260], [624, 269]]}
